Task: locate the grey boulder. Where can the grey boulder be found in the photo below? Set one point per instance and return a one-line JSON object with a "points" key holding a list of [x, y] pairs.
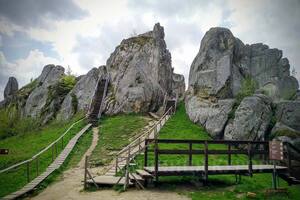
{"points": [[251, 120], [39, 102]]}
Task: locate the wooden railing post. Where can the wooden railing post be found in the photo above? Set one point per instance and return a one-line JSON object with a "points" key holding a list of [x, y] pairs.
{"points": [[190, 153], [229, 154], [205, 162], [146, 153], [127, 170], [117, 160], [28, 171], [156, 160], [85, 172], [52, 153], [250, 158], [37, 166], [62, 143], [55, 149]]}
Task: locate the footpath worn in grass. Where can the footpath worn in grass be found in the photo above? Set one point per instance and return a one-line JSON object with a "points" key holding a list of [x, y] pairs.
{"points": [[23, 147], [220, 186], [114, 134]]}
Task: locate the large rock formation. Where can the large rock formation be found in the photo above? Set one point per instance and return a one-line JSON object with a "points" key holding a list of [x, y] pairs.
{"points": [[141, 73], [10, 91], [79, 98], [219, 72], [11, 88], [42, 103]]}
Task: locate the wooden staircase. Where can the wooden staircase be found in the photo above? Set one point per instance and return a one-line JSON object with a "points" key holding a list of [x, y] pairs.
{"points": [[292, 177], [96, 106]]}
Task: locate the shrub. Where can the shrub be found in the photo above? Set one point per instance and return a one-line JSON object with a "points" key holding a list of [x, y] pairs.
{"points": [[248, 88]]}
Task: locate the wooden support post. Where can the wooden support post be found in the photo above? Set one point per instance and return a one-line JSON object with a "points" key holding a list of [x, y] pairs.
{"points": [[250, 159], [205, 163], [127, 170], [139, 144], [288, 157], [156, 160], [146, 153], [190, 153], [229, 154], [116, 170], [28, 171], [85, 172]]}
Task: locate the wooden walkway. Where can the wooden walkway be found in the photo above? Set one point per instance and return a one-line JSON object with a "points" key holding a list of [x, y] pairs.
{"points": [[55, 165]]}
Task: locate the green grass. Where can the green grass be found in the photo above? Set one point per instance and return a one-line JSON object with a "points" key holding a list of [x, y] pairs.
{"points": [[115, 133], [220, 186], [23, 147]]}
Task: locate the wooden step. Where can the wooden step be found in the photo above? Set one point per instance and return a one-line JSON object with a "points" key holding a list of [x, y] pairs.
{"points": [[108, 180], [134, 176], [144, 173]]}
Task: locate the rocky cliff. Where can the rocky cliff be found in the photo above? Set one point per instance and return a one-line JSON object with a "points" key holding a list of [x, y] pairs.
{"points": [[141, 73], [141, 76], [236, 91]]}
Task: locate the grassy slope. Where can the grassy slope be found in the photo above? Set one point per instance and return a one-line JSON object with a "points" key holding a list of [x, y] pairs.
{"points": [[115, 133], [25, 146], [221, 187]]}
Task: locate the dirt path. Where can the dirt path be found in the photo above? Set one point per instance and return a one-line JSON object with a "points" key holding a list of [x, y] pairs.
{"points": [[70, 186]]}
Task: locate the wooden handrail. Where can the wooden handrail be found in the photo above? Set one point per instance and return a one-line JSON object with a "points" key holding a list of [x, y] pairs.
{"points": [[42, 151], [183, 141]]}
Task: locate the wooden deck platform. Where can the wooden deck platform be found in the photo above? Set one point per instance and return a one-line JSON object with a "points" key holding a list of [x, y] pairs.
{"points": [[213, 170]]}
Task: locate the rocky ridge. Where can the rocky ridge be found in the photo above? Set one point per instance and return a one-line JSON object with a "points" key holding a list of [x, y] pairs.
{"points": [[141, 76], [241, 92]]}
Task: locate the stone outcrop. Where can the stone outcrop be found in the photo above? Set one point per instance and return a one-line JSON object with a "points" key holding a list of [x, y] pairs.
{"points": [[79, 98], [218, 73], [141, 77], [141, 73], [40, 103], [11, 88], [10, 91], [251, 120], [178, 85]]}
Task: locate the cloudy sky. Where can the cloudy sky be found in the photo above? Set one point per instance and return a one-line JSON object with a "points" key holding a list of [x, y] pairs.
{"points": [[82, 33]]}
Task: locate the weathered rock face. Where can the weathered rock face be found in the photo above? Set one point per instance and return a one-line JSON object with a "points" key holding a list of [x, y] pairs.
{"points": [[79, 98], [11, 87], [178, 85], [219, 71], [40, 103], [141, 73], [288, 113], [212, 115], [10, 91], [251, 119]]}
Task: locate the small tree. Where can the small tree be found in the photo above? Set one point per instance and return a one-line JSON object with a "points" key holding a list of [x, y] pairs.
{"points": [[294, 72], [69, 71]]}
